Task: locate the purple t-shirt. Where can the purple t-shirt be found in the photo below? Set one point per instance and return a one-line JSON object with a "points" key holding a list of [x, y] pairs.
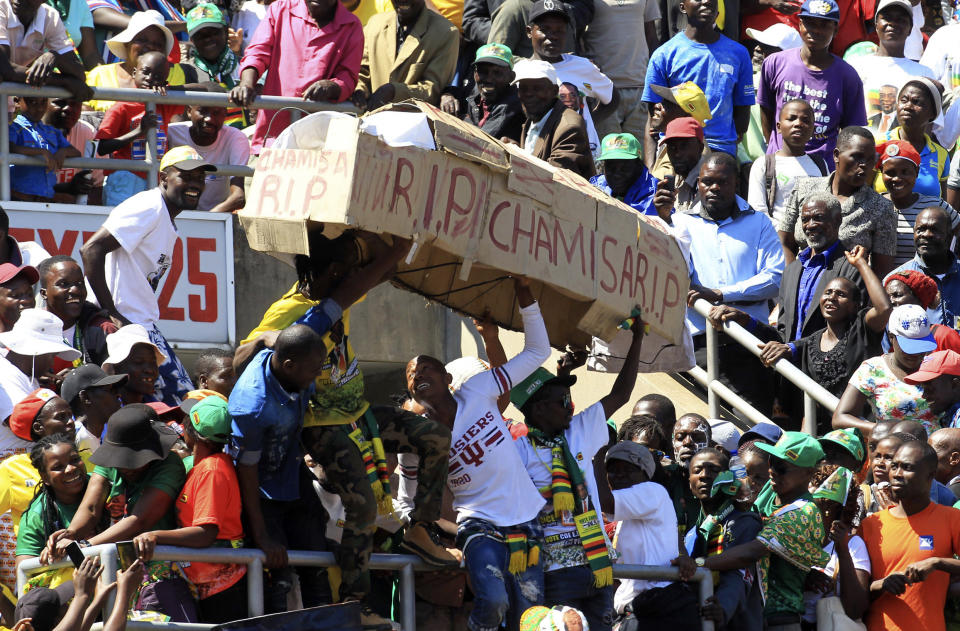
{"points": [[836, 95]]}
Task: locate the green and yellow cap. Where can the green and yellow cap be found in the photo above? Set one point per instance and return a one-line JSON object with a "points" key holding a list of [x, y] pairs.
{"points": [[797, 448], [211, 420], [620, 147], [848, 439], [495, 54], [202, 16]]}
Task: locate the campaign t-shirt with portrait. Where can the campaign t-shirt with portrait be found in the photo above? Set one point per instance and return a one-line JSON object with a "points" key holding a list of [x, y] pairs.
{"points": [[835, 94], [882, 79], [723, 71], [230, 147], [147, 237], [589, 81]]}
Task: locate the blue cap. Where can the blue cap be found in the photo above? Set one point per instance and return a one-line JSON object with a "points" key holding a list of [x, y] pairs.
{"points": [[821, 9], [763, 431]]}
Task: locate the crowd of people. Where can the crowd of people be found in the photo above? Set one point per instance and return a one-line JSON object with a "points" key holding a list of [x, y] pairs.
{"points": [[801, 152]]}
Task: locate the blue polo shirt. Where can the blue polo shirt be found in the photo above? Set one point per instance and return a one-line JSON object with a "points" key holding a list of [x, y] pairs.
{"points": [[812, 266], [32, 180], [947, 312], [266, 428], [640, 195]]}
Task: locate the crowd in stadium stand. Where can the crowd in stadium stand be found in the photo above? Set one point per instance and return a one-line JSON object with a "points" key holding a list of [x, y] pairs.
{"points": [[801, 152]]}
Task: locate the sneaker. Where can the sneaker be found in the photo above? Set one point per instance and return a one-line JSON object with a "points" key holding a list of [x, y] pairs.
{"points": [[424, 544], [372, 621]]}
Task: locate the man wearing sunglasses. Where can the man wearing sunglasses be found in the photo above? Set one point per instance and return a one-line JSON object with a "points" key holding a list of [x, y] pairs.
{"points": [[558, 453], [792, 538]]}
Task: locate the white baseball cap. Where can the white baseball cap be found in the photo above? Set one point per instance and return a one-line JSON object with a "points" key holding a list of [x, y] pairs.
{"points": [[909, 324], [724, 433], [904, 4], [38, 332], [779, 35], [535, 69], [122, 341]]}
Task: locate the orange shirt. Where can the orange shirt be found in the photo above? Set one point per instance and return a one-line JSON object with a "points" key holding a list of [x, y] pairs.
{"points": [[211, 495], [893, 544]]}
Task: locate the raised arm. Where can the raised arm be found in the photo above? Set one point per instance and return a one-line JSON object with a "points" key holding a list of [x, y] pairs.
{"points": [[623, 385], [876, 318]]}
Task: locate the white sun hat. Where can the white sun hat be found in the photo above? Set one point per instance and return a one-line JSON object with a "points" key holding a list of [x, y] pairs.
{"points": [[38, 332], [139, 21], [120, 343]]}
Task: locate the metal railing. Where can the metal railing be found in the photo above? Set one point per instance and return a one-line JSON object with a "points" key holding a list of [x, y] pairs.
{"points": [[150, 165], [813, 392], [253, 558]]}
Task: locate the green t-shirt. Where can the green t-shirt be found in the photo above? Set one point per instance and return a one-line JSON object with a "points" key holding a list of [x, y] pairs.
{"points": [[794, 534], [167, 475], [188, 463], [32, 537]]}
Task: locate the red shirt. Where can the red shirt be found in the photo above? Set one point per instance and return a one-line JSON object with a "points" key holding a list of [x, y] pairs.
{"points": [[123, 117]]}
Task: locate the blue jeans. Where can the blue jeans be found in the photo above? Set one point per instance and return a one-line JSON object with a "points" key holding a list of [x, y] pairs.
{"points": [[121, 185], [573, 587], [498, 594]]}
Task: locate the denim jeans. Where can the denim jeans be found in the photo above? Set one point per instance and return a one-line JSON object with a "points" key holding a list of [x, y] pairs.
{"points": [[573, 587], [122, 185], [498, 594]]}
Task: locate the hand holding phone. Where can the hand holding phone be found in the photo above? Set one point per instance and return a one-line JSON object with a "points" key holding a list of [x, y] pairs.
{"points": [[126, 554], [75, 553]]}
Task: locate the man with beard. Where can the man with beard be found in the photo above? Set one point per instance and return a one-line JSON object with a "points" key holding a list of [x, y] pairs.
{"points": [[690, 435], [912, 546], [735, 257], [493, 106], [932, 236], [126, 259]]}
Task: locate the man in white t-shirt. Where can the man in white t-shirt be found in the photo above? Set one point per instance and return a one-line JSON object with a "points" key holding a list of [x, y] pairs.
{"points": [[126, 259], [557, 440], [218, 144], [496, 502], [547, 29], [888, 66], [646, 535]]}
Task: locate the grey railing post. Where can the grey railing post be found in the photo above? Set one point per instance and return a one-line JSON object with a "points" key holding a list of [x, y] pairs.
{"points": [[809, 415], [408, 598], [713, 371], [255, 587], [706, 591], [152, 160], [4, 148]]}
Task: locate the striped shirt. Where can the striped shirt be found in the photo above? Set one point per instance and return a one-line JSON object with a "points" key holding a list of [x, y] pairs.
{"points": [[906, 217]]}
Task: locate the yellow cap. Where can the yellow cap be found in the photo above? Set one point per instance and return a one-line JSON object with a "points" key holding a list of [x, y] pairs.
{"points": [[185, 158], [689, 97]]}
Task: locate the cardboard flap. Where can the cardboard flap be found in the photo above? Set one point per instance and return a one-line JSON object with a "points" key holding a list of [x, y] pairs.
{"points": [[464, 139], [530, 176]]}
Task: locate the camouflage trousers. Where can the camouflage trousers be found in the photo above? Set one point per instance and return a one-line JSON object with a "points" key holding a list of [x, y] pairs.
{"points": [[401, 432]]}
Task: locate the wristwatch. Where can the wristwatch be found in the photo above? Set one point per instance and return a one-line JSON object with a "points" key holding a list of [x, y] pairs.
{"points": [[700, 561]]}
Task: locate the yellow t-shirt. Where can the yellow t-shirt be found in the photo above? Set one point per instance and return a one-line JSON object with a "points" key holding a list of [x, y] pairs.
{"points": [[339, 396], [366, 9], [112, 76], [18, 484]]}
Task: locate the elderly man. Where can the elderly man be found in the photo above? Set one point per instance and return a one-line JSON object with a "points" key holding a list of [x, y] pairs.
{"points": [[408, 53], [931, 236], [736, 260], [493, 106], [553, 132], [626, 177], [126, 259]]}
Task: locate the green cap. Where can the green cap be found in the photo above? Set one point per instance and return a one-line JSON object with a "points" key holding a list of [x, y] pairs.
{"points": [[202, 15], [835, 487], [211, 420], [726, 483], [620, 147], [521, 393], [495, 54], [797, 448], [848, 439]]}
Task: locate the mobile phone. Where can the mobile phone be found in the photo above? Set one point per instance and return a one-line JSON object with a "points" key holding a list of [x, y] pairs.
{"points": [[75, 554], [126, 554]]}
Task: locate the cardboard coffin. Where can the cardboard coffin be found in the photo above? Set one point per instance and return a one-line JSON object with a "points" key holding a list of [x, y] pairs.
{"points": [[478, 211]]}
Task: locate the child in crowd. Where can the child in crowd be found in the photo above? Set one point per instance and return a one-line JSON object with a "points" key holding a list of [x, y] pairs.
{"points": [[218, 144], [774, 175], [30, 136], [213, 370], [64, 114], [124, 128]]}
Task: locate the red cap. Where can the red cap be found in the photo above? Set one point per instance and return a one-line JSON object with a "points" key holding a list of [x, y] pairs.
{"points": [[935, 365], [684, 127], [897, 149], [26, 411], [9, 271], [162, 408]]}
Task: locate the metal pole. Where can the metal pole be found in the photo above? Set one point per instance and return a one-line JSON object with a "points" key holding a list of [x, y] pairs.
{"points": [[152, 159], [809, 415], [713, 363], [706, 591], [408, 599], [4, 147], [255, 587], [108, 561]]}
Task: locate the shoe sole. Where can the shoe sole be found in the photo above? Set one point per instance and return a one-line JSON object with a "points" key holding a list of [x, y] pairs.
{"points": [[426, 556]]}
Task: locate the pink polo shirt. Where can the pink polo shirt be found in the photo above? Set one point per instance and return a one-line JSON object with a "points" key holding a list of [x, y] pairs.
{"points": [[295, 53]]}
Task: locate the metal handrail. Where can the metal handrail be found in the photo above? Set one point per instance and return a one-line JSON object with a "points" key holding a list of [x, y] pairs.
{"points": [[813, 392], [150, 165], [253, 558]]}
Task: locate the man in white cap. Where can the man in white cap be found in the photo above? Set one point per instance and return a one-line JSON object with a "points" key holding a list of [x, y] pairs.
{"points": [[553, 132], [126, 259]]}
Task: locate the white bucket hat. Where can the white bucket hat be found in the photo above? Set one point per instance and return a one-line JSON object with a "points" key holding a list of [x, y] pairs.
{"points": [[38, 332], [120, 343], [139, 21]]}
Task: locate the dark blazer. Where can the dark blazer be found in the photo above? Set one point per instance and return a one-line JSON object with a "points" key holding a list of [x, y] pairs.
{"points": [[790, 286], [563, 141]]}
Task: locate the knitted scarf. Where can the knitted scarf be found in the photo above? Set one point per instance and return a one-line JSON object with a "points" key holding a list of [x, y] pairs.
{"points": [[222, 69], [365, 434], [568, 492]]}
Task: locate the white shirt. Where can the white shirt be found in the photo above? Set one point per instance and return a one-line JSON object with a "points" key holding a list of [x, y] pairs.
{"points": [[147, 236], [14, 387], [86, 442], [248, 18], [581, 72], [913, 47], [585, 436], [875, 72], [486, 475], [789, 168], [861, 561], [646, 535], [533, 132], [231, 147]]}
